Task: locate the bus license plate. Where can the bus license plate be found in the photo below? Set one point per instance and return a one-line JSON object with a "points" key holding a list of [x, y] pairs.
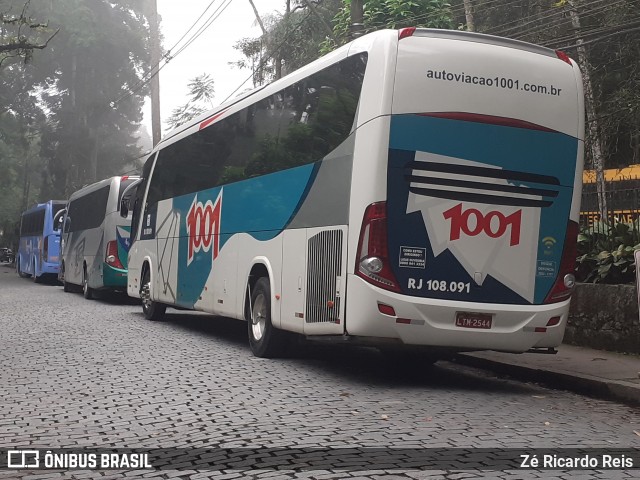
{"points": [[473, 320]]}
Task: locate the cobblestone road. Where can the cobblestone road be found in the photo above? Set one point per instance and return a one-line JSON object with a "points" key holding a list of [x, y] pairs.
{"points": [[78, 373]]}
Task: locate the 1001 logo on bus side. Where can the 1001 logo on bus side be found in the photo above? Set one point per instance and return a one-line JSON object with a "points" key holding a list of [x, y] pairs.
{"points": [[203, 227], [494, 224]]}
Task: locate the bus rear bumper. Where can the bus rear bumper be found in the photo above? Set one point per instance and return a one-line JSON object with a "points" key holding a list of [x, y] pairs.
{"points": [[431, 322], [114, 277], [50, 267]]}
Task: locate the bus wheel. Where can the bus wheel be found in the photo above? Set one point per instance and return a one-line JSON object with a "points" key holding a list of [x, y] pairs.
{"points": [[66, 286], [86, 289], [35, 277], [265, 340], [152, 310], [21, 274]]}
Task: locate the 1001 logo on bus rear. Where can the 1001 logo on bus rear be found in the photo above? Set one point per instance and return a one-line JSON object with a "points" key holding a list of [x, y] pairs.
{"points": [[203, 227], [472, 222]]}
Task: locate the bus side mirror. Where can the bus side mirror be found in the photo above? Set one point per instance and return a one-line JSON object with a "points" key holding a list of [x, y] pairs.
{"points": [[128, 193], [58, 220], [124, 207]]}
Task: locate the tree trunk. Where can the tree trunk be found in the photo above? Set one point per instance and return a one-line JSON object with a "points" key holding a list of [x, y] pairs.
{"points": [[93, 156], [321, 19], [592, 122], [468, 13], [258, 19]]}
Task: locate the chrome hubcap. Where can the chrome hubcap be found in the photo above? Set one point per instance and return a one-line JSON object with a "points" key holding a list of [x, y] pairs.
{"points": [[259, 317], [145, 296]]}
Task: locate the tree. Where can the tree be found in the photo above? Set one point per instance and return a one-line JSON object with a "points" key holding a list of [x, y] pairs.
{"points": [[20, 34], [91, 87], [291, 40], [201, 92], [379, 14]]}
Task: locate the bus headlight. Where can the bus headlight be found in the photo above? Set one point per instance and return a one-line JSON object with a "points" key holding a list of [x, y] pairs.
{"points": [[372, 264]]}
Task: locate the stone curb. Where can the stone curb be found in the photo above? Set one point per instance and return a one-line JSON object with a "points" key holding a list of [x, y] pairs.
{"points": [[617, 390]]}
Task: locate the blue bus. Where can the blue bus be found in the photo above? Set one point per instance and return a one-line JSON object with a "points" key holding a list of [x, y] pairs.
{"points": [[39, 247]]}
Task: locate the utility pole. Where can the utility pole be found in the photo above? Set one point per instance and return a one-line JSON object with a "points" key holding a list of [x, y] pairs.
{"points": [[589, 103], [468, 13], [357, 19], [156, 126]]}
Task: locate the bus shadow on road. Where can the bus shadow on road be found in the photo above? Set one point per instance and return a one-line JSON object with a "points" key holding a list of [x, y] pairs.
{"points": [[363, 365], [369, 366]]}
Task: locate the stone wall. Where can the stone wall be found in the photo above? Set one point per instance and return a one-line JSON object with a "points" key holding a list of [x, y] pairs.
{"points": [[604, 317]]}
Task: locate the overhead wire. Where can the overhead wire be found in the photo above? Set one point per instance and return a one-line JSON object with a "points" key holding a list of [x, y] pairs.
{"points": [[557, 22], [156, 69]]}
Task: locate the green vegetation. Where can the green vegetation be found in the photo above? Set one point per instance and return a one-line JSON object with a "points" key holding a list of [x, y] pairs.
{"points": [[605, 252]]}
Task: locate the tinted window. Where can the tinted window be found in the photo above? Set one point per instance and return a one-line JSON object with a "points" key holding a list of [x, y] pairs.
{"points": [[88, 211], [139, 193], [296, 126], [32, 223]]}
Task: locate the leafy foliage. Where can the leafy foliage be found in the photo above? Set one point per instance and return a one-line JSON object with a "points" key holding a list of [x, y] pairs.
{"points": [[201, 91], [292, 39], [70, 116], [605, 252], [379, 14]]}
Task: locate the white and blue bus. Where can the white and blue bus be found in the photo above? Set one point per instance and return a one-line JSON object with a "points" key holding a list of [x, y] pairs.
{"points": [[95, 239], [414, 188], [39, 246]]}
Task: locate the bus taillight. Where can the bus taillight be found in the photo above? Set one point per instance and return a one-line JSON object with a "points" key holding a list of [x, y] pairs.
{"points": [[563, 56], [373, 263], [45, 250], [112, 255], [566, 279], [406, 32]]}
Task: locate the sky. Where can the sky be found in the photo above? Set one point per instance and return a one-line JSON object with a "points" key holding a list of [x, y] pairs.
{"points": [[210, 53]]}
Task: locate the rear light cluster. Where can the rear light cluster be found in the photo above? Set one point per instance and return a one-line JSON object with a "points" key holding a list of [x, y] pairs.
{"points": [[563, 56], [111, 256], [566, 279], [406, 32], [45, 250], [372, 263]]}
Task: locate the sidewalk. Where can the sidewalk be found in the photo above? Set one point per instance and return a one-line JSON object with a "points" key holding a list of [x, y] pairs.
{"points": [[599, 373]]}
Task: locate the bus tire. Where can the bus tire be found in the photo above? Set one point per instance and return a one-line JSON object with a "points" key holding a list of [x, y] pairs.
{"points": [[66, 286], [152, 310], [21, 274], [87, 291], [35, 277], [265, 340]]}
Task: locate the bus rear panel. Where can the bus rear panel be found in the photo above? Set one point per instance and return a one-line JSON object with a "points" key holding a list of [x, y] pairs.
{"points": [[473, 244]]}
